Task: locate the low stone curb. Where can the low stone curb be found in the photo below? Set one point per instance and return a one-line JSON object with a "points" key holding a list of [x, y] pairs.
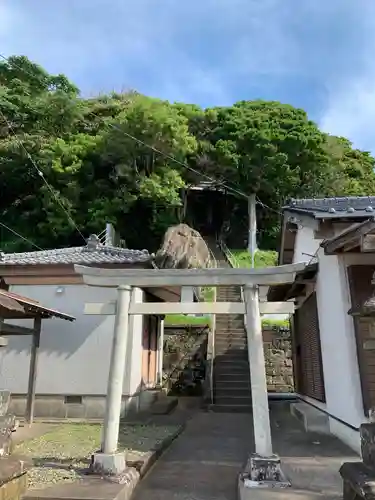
{"points": [[143, 465]]}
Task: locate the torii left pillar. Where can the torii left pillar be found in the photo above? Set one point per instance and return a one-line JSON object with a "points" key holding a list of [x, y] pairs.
{"points": [[109, 460]]}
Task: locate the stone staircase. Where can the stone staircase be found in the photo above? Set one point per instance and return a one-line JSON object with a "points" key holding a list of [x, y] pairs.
{"points": [[231, 375]]}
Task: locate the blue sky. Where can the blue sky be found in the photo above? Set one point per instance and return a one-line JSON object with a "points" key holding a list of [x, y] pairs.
{"points": [[315, 54]]}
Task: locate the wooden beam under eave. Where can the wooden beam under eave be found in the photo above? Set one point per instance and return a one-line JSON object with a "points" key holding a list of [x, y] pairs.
{"points": [[348, 237], [10, 329], [351, 245]]}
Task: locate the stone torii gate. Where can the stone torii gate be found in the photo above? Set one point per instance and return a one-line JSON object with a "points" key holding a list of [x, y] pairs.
{"points": [[108, 460]]}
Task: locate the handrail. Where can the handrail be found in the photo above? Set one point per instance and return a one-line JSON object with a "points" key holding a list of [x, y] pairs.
{"points": [[228, 254]]}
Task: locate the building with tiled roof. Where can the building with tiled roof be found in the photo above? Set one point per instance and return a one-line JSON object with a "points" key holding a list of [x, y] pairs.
{"points": [[74, 358], [333, 323], [94, 253], [351, 207]]}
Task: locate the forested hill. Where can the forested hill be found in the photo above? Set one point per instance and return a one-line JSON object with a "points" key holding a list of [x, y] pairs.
{"points": [[98, 173]]}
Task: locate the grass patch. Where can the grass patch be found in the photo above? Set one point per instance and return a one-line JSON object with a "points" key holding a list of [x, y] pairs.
{"points": [[207, 295], [263, 258], [62, 454], [182, 320], [275, 323]]}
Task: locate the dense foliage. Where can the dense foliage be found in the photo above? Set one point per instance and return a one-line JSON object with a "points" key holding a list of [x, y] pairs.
{"points": [[98, 173]]}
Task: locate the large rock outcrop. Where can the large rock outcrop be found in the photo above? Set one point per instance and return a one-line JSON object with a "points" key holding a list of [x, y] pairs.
{"points": [[183, 248]]}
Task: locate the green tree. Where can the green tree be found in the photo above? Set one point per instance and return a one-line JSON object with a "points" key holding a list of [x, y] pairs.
{"points": [[93, 157]]}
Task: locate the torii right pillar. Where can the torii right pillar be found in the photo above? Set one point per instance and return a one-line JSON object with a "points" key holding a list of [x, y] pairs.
{"points": [[263, 465]]}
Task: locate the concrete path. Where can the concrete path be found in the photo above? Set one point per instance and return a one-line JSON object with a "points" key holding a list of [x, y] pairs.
{"points": [[204, 462]]}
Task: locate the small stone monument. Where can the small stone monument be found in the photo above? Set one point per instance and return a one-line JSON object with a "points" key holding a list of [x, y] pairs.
{"points": [[359, 477]]}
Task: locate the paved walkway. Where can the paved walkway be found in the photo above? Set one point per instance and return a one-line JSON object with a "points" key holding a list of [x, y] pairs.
{"points": [[204, 462]]}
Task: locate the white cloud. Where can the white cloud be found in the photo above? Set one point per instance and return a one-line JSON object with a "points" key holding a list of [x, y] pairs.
{"points": [[206, 50], [350, 109]]}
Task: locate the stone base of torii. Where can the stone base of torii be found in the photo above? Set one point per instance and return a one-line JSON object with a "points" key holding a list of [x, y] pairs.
{"points": [[263, 465]]}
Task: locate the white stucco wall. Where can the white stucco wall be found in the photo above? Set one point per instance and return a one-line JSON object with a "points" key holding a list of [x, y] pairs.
{"points": [[305, 244], [339, 353], [73, 357]]}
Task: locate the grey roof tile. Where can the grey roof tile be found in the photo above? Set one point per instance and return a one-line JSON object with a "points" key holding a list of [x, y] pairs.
{"points": [[92, 253], [351, 207]]}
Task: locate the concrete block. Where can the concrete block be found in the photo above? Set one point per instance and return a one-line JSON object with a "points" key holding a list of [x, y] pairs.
{"points": [[312, 419], [50, 406], [73, 410], [108, 464], [94, 406], [17, 406]]}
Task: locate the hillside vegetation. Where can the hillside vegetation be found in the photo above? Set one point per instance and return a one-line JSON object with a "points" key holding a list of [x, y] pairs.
{"points": [[60, 149]]}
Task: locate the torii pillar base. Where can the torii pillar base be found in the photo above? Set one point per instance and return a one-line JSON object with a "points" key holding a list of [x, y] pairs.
{"points": [[261, 472]]}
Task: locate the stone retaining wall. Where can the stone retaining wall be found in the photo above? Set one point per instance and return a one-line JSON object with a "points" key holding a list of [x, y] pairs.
{"points": [[185, 352], [278, 358]]}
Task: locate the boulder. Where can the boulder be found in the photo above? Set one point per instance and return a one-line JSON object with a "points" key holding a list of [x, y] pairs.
{"points": [[183, 247]]}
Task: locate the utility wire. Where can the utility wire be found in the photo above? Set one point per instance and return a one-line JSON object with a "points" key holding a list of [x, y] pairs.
{"points": [[20, 235], [40, 173]]}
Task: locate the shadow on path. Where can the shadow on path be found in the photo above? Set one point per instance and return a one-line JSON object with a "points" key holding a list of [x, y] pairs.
{"points": [[204, 462]]}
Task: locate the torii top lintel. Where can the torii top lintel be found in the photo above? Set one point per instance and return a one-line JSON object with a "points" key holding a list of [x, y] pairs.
{"points": [[189, 277]]}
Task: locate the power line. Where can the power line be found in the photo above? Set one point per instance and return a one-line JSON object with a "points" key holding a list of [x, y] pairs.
{"points": [[268, 207], [20, 235], [40, 173]]}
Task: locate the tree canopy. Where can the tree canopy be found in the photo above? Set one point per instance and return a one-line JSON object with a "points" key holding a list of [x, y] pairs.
{"points": [[70, 164]]}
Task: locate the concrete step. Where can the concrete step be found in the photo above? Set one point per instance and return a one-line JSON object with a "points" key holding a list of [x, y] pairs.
{"points": [[231, 378], [231, 354], [228, 348], [239, 330], [228, 363], [232, 400], [240, 343], [219, 392], [240, 383], [225, 294], [230, 333], [312, 419], [235, 352], [225, 347], [228, 327], [230, 409], [225, 373]]}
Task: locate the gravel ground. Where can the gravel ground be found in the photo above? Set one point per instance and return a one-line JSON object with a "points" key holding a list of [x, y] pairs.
{"points": [[63, 454]]}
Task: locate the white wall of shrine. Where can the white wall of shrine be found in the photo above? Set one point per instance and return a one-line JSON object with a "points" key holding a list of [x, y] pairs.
{"points": [[338, 348], [74, 356]]}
